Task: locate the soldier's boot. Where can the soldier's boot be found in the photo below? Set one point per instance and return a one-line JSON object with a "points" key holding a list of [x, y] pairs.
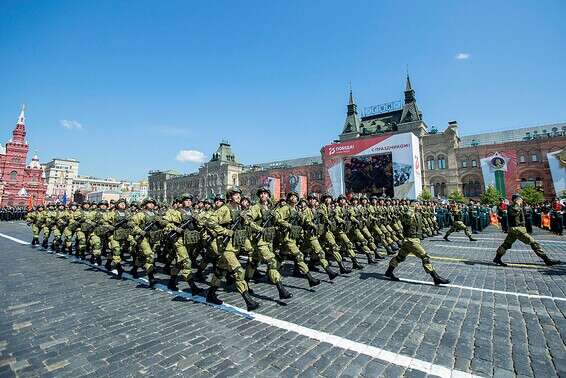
{"points": [[151, 279], [120, 271], [343, 269], [257, 275], [134, 272], [98, 261], [472, 239], [251, 304], [370, 259], [108, 264], [550, 262], [388, 250], [199, 276], [356, 264], [438, 280], [331, 274], [446, 237], [91, 260], [283, 293], [195, 290], [395, 247], [296, 271], [389, 274], [312, 281], [399, 243], [172, 284], [45, 244], [378, 256], [230, 281], [498, 261], [35, 241], [312, 266], [211, 296]]}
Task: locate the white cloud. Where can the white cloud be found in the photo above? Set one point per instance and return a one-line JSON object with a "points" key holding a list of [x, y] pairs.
{"points": [[71, 125], [190, 156], [463, 56]]}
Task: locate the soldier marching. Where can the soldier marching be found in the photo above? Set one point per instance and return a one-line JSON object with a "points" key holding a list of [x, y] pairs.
{"points": [[234, 237]]}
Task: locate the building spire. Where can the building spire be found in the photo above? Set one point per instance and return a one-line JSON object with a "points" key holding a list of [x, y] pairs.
{"points": [[408, 86], [22, 117]]}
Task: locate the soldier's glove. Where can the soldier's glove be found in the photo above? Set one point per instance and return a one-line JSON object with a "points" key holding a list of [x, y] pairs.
{"points": [[229, 233], [179, 230]]}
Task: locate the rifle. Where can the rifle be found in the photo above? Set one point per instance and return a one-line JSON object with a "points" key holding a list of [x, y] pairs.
{"points": [[232, 228], [173, 234], [264, 224]]}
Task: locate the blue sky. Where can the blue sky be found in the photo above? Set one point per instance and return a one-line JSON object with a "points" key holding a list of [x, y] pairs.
{"points": [[124, 86]]}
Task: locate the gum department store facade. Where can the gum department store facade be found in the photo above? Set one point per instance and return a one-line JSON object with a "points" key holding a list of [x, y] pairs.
{"points": [[451, 163]]}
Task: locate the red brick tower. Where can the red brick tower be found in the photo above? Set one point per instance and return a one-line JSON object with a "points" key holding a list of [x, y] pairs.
{"points": [[20, 182]]}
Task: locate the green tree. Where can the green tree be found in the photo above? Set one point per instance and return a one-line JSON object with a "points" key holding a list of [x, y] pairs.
{"points": [[532, 195], [425, 195], [491, 196], [563, 194], [456, 196]]}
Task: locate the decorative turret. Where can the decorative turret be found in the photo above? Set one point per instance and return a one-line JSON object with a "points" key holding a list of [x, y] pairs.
{"points": [[35, 163], [411, 111], [19, 133], [352, 124]]}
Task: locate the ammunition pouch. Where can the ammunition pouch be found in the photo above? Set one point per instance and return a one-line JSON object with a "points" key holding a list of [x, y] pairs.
{"points": [[191, 237], [268, 234], [295, 232], [121, 234], [239, 237]]}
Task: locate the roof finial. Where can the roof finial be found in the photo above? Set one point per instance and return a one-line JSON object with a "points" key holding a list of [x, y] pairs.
{"points": [[351, 98], [408, 86], [22, 117]]}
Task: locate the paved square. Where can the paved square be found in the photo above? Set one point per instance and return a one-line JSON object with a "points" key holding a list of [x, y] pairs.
{"points": [[62, 317]]}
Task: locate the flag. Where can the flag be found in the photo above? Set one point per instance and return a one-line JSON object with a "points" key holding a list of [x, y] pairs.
{"points": [[30, 202], [64, 200]]}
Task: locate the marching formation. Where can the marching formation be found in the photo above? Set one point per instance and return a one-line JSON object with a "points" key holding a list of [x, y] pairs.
{"points": [[236, 236]]}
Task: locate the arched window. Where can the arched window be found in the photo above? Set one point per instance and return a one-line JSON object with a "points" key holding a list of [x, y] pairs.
{"points": [[441, 162], [13, 175], [430, 163]]}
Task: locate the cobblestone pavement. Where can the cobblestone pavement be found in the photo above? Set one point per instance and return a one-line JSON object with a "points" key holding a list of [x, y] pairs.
{"points": [[62, 317]]}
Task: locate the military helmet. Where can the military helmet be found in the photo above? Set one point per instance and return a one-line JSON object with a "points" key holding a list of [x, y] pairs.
{"points": [[515, 196], [121, 200], [233, 191], [290, 194], [325, 196], [373, 197], [148, 200], [312, 196], [102, 203], [244, 198], [187, 196], [219, 197], [263, 190], [341, 197], [135, 204]]}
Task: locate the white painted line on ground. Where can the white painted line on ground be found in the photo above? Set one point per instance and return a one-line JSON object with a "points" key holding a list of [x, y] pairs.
{"points": [[341, 342], [13, 239], [533, 296], [448, 245], [540, 240]]}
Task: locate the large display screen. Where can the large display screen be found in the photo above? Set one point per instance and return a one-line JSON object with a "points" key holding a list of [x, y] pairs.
{"points": [[369, 174]]}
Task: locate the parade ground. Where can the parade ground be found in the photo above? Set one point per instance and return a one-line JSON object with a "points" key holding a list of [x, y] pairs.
{"points": [[60, 316]]}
